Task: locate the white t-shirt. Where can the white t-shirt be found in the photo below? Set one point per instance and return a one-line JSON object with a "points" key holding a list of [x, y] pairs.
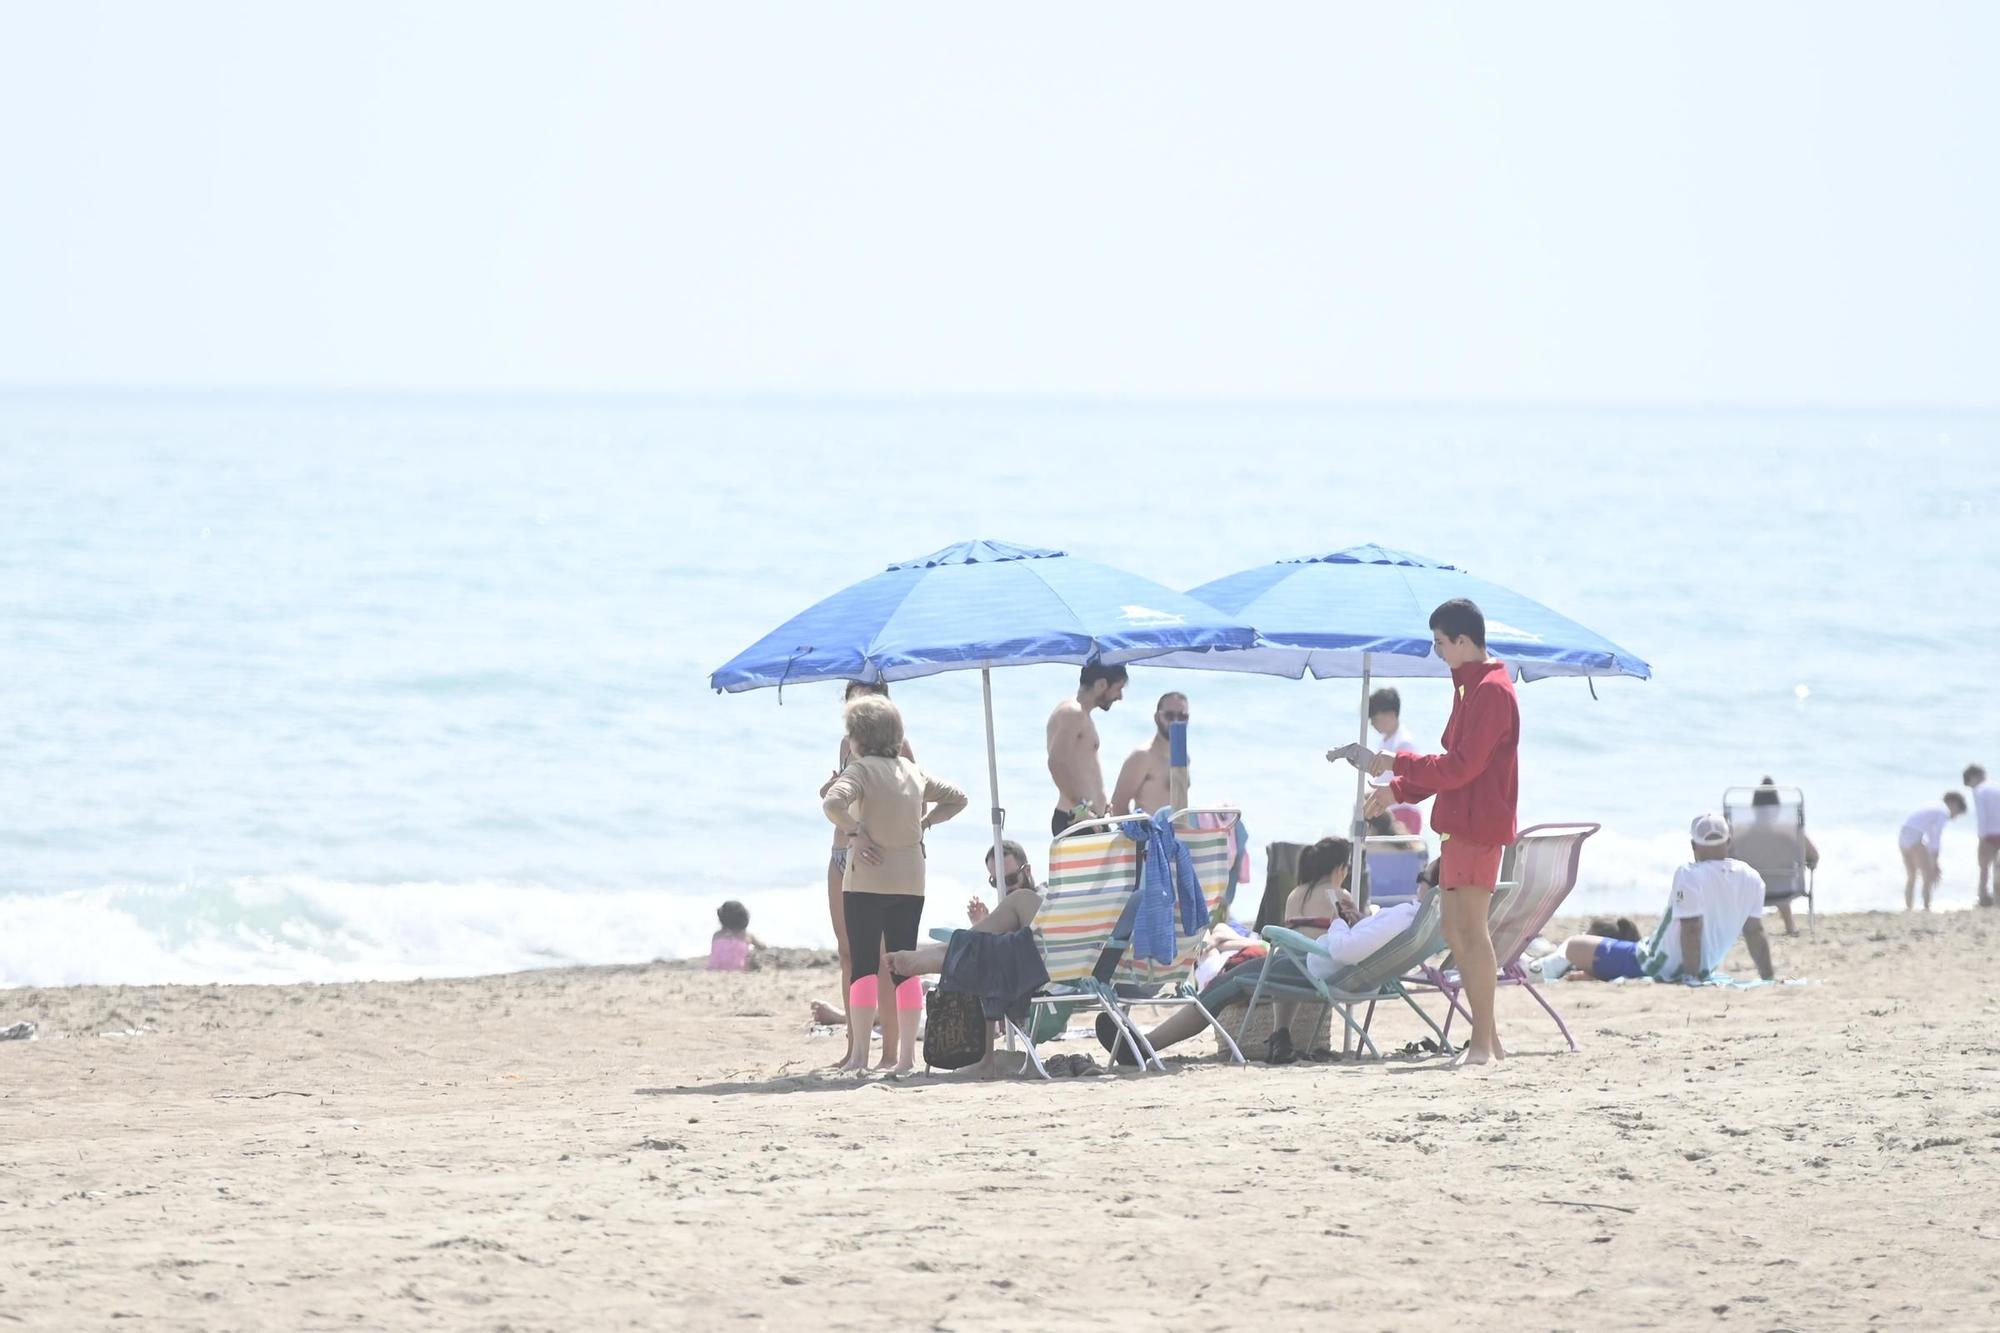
{"points": [[1986, 808], [1396, 742], [1350, 944], [1926, 827], [1723, 895]]}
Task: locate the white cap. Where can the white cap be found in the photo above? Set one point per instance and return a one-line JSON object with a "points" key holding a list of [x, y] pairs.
{"points": [[1709, 830]]}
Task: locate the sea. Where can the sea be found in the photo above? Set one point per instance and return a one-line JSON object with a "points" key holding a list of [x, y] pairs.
{"points": [[317, 687]]}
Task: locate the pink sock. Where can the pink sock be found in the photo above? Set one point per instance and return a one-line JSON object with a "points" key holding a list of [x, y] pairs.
{"points": [[863, 992], [909, 995]]}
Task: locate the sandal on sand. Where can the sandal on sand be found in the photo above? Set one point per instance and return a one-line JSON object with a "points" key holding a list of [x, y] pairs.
{"points": [[1108, 1036]]}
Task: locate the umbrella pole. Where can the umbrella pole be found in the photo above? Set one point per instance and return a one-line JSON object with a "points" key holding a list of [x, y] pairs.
{"points": [[1360, 827], [999, 816]]}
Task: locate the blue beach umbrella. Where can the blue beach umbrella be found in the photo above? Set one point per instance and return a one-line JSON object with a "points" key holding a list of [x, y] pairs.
{"points": [[979, 605], [1365, 611]]}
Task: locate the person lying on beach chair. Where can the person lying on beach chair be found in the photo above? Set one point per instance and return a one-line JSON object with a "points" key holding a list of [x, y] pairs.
{"points": [[1320, 899], [1714, 899]]}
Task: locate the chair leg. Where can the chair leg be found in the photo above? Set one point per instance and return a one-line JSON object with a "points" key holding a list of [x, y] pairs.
{"points": [[1551, 1011], [1034, 1060], [1256, 992], [1129, 1034], [1235, 1051], [1429, 1022]]}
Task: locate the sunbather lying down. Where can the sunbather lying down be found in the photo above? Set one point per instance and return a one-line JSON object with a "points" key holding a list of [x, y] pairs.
{"points": [[1320, 899]]}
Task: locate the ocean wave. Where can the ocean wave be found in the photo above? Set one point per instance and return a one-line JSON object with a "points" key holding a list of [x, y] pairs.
{"points": [[294, 928]]}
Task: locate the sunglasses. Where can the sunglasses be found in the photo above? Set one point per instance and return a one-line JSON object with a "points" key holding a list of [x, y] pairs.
{"points": [[1015, 879]]}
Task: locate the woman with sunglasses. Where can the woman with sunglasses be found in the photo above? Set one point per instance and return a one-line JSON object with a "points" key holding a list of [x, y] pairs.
{"points": [[1018, 905]]}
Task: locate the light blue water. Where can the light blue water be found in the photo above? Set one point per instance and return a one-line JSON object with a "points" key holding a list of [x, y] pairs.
{"points": [[337, 687]]}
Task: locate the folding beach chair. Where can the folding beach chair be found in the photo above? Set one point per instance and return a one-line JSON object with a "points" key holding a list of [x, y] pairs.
{"points": [[1093, 873], [1392, 872], [1377, 977], [1771, 840], [1543, 871], [1138, 984]]}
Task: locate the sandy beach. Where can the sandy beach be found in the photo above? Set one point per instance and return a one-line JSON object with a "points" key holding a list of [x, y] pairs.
{"points": [[655, 1147]]}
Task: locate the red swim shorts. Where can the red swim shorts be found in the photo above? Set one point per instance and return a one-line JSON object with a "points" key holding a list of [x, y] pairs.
{"points": [[1465, 864]]}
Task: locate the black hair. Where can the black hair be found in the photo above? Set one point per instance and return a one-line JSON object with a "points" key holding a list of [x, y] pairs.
{"points": [[1097, 671], [733, 915], [855, 687], [1460, 618], [1766, 793], [1323, 859], [1973, 775], [1170, 694], [1385, 701], [1382, 826], [1955, 801], [1606, 929]]}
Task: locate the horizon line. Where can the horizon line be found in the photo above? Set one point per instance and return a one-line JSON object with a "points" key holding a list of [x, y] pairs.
{"points": [[861, 399]]}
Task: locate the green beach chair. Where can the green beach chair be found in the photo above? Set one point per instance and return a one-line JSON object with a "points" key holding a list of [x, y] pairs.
{"points": [[1373, 979]]}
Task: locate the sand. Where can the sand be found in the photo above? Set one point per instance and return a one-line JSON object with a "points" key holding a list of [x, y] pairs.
{"points": [[654, 1147]]}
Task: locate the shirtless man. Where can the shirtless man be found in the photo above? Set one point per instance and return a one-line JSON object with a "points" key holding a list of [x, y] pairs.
{"points": [[1073, 746], [1142, 785]]}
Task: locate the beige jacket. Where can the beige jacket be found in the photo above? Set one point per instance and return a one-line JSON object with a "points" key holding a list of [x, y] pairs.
{"points": [[887, 798]]}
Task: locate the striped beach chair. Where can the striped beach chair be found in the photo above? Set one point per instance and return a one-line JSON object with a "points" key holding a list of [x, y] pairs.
{"points": [[1137, 984], [1543, 870], [1093, 873], [1378, 977]]}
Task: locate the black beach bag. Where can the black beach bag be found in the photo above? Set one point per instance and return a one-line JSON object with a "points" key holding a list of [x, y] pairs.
{"points": [[954, 1030]]}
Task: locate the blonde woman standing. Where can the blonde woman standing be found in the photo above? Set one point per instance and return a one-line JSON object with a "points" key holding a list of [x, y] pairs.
{"points": [[836, 875], [884, 804]]}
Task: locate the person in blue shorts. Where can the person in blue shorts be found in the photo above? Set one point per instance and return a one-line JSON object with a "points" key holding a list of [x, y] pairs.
{"points": [[1715, 898]]}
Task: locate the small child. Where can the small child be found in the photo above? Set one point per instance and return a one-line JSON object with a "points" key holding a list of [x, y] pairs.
{"points": [[1921, 840], [733, 948], [1385, 714]]}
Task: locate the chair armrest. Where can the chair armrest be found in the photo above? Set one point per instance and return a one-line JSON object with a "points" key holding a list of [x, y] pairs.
{"points": [[943, 934], [1291, 941]]}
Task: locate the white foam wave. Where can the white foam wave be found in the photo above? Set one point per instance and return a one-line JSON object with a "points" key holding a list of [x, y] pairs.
{"points": [[290, 929], [303, 929]]}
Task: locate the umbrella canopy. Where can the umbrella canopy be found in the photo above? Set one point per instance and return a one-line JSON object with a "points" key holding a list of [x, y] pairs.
{"points": [[981, 604], [1366, 610], [976, 606]]}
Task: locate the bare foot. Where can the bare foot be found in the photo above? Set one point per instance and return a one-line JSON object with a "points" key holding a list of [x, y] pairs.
{"points": [[899, 1070], [1474, 1057], [886, 1062], [828, 1016], [855, 1066]]}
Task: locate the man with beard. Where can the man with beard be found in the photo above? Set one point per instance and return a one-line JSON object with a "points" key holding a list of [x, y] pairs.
{"points": [[1073, 746], [1142, 785]]}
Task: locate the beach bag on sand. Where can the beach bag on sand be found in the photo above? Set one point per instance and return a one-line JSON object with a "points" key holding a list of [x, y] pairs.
{"points": [[954, 1030]]}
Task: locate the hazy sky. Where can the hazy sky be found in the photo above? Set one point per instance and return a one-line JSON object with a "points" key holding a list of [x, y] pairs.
{"points": [[1736, 202]]}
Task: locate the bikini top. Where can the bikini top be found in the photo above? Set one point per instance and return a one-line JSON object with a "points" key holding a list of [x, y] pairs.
{"points": [[1309, 923]]}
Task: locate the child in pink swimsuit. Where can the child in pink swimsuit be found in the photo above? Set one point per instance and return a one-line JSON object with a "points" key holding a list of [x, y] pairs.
{"points": [[733, 948]]}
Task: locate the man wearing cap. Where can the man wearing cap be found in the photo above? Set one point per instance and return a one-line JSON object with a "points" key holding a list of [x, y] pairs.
{"points": [[1714, 899]]}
